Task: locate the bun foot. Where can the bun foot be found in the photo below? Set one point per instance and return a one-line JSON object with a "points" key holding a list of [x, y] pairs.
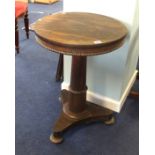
{"points": [[56, 139], [110, 121]]}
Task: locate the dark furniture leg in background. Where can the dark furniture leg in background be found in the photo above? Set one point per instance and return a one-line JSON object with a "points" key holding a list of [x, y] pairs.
{"points": [[135, 93], [16, 36], [59, 73], [26, 22]]}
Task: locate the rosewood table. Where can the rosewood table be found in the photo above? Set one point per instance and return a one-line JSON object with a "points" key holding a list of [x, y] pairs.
{"points": [[80, 35]]}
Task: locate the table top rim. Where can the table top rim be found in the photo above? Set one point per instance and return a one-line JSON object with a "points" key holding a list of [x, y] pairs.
{"points": [[96, 45]]}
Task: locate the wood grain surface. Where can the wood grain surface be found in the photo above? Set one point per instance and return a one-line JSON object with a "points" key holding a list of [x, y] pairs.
{"points": [[76, 30]]}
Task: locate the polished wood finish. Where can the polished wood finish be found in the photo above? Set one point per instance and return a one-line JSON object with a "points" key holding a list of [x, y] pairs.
{"points": [[78, 88], [82, 34], [79, 35]]}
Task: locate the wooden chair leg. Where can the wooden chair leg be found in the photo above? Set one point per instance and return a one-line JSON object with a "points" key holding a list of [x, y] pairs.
{"points": [[59, 73], [26, 22], [16, 36]]}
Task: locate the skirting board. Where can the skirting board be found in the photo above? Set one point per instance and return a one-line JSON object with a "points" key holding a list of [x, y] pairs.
{"points": [[106, 101]]}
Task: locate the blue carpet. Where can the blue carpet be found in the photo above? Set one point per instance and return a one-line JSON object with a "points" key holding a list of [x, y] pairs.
{"points": [[37, 107]]}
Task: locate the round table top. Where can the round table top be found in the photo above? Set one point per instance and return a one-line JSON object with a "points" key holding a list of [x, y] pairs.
{"points": [[79, 33]]}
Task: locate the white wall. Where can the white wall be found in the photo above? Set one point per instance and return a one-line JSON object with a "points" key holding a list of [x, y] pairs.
{"points": [[109, 75]]}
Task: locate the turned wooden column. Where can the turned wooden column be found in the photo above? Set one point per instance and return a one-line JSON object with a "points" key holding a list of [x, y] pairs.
{"points": [[77, 96]]}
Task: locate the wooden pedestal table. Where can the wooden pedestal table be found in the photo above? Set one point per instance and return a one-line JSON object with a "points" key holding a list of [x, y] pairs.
{"points": [[80, 35]]}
